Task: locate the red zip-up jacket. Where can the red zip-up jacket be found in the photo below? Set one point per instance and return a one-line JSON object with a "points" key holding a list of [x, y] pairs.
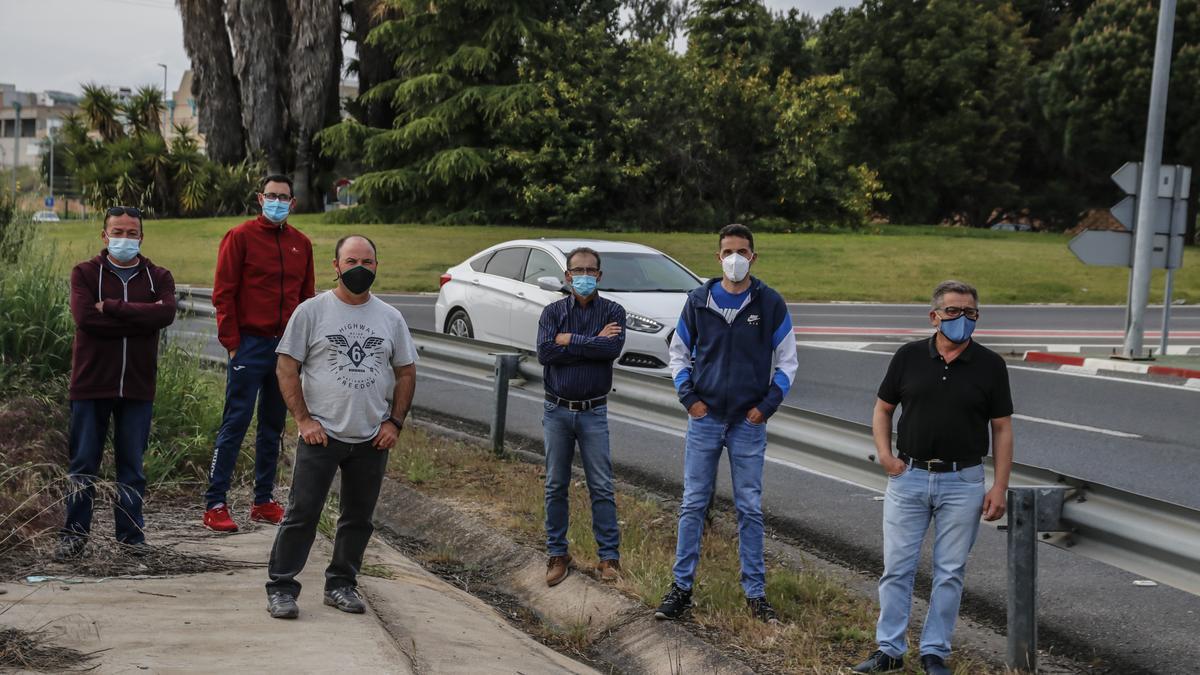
{"points": [[264, 271], [115, 354]]}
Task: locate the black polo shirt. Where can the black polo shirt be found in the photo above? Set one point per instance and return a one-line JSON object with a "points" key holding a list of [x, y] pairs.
{"points": [[946, 408]]}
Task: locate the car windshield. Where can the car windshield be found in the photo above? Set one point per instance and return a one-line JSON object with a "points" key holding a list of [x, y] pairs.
{"points": [[644, 272]]}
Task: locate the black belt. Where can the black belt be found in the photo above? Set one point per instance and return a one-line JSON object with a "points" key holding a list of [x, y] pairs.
{"points": [[577, 406], [940, 465]]}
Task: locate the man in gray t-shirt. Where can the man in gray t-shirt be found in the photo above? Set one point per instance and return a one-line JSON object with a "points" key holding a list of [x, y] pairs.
{"points": [[347, 372]]}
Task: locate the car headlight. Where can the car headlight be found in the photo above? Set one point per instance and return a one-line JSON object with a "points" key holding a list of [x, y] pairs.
{"points": [[642, 324]]}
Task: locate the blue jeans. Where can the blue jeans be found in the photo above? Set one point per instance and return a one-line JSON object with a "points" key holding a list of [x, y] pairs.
{"points": [[747, 445], [131, 435], [250, 378], [954, 501], [562, 429]]}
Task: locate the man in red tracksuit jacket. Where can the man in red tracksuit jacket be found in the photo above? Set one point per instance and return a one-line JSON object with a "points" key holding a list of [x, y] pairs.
{"points": [[120, 301], [264, 270]]}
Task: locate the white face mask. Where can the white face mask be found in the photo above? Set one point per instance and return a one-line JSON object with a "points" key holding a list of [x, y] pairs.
{"points": [[735, 267]]}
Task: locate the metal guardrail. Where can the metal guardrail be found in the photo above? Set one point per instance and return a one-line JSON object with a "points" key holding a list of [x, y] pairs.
{"points": [[1150, 537]]}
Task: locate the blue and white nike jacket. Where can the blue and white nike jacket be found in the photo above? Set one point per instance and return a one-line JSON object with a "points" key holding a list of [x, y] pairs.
{"points": [[736, 360]]}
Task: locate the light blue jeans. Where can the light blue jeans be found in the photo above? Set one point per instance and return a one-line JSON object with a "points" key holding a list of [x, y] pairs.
{"points": [[954, 502], [561, 430], [747, 444]]}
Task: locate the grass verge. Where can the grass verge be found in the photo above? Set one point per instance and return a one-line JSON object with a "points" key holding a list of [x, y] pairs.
{"points": [[826, 625], [882, 264]]}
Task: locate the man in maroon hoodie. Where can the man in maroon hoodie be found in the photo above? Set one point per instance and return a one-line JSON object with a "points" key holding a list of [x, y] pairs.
{"points": [[120, 301], [264, 270]]}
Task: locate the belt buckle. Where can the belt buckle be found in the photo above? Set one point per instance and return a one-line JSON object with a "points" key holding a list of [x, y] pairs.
{"points": [[931, 463], [576, 406]]}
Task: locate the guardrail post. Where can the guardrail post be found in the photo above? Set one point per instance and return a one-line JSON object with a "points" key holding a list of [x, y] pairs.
{"points": [[1030, 510], [506, 368], [1022, 580]]}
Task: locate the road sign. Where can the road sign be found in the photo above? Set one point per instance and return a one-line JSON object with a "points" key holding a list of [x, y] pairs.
{"points": [[49, 202], [1166, 220], [1115, 249], [1127, 177]]}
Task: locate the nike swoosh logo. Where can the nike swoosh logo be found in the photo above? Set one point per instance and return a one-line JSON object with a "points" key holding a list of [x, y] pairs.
{"points": [[238, 367]]}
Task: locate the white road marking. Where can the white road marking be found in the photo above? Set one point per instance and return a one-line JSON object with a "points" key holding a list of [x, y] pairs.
{"points": [[1080, 427], [1091, 376], [1069, 371]]}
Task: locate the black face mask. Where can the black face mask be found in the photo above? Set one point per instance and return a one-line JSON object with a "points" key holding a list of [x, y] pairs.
{"points": [[358, 279]]}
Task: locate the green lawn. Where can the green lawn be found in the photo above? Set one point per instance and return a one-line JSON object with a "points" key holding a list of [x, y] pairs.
{"points": [[888, 264]]}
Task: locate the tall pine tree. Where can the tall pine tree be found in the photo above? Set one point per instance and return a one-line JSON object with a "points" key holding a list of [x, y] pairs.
{"points": [[457, 85]]}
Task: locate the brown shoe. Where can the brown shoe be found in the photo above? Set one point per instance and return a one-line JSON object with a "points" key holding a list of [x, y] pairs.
{"points": [[609, 570], [557, 569]]}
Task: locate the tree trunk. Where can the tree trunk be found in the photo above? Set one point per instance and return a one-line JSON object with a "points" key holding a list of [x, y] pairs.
{"points": [[315, 57], [374, 65], [213, 82], [261, 32]]}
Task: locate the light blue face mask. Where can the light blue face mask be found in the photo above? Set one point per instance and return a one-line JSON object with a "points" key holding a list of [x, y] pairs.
{"points": [[124, 250], [958, 330], [584, 284], [276, 210]]}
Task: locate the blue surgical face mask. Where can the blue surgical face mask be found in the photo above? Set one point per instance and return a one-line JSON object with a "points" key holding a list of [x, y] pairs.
{"points": [[124, 250], [584, 284], [958, 330], [276, 210]]}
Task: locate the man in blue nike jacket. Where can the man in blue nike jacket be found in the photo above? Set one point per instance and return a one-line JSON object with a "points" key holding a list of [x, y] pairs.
{"points": [[733, 358]]}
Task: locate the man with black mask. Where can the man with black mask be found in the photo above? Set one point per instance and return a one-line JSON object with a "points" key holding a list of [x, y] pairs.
{"points": [[347, 372]]}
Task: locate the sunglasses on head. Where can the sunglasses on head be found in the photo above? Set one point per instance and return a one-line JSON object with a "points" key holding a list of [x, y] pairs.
{"points": [[125, 211]]}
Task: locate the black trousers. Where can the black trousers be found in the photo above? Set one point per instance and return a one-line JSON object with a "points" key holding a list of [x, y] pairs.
{"points": [[363, 468]]}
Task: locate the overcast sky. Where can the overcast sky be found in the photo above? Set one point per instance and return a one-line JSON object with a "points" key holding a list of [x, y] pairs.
{"points": [[58, 44]]}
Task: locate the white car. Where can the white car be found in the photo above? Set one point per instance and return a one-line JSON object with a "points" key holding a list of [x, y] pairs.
{"points": [[45, 217], [497, 295]]}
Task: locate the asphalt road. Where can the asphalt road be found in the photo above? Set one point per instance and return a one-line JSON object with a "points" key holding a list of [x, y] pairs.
{"points": [[1004, 326]]}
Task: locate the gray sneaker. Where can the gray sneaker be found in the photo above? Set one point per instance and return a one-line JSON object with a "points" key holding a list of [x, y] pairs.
{"points": [[345, 599], [282, 606], [69, 548]]}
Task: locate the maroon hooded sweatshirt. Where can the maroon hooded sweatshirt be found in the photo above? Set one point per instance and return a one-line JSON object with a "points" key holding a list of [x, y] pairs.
{"points": [[116, 351]]}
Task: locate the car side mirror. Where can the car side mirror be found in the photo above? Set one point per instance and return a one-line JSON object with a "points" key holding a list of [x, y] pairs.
{"points": [[552, 284]]}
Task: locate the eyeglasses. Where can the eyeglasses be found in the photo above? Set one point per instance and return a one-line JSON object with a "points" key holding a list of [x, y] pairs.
{"points": [[971, 313], [124, 211], [584, 270], [273, 196]]}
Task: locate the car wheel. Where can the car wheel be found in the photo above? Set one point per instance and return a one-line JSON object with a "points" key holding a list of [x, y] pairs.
{"points": [[459, 324]]}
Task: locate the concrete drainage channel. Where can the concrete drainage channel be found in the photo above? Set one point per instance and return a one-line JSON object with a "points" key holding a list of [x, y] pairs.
{"points": [[610, 623]]}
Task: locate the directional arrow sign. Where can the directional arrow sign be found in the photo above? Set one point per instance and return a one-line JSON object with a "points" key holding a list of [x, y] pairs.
{"points": [[1126, 177], [1115, 249], [1125, 211]]}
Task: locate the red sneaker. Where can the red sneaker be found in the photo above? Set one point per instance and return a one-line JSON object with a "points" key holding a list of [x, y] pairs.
{"points": [[217, 519], [270, 512]]}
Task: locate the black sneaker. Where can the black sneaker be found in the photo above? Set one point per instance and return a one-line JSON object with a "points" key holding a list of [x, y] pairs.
{"points": [[762, 610], [880, 663], [934, 665], [675, 604], [282, 606], [345, 599], [138, 550], [69, 548]]}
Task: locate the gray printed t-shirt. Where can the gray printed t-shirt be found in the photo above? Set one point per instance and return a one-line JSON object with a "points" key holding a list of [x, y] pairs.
{"points": [[347, 353]]}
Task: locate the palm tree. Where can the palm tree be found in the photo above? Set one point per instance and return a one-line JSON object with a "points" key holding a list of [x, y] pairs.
{"points": [[260, 31], [102, 112], [144, 111], [213, 83], [315, 57]]}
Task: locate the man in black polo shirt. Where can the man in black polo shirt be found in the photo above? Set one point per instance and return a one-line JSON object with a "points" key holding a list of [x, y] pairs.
{"points": [[952, 390], [578, 339]]}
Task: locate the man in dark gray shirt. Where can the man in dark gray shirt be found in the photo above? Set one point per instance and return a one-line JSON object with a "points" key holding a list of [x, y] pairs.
{"points": [[347, 372]]}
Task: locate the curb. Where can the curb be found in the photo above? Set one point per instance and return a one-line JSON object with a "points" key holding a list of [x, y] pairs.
{"points": [[1096, 365], [622, 629]]}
